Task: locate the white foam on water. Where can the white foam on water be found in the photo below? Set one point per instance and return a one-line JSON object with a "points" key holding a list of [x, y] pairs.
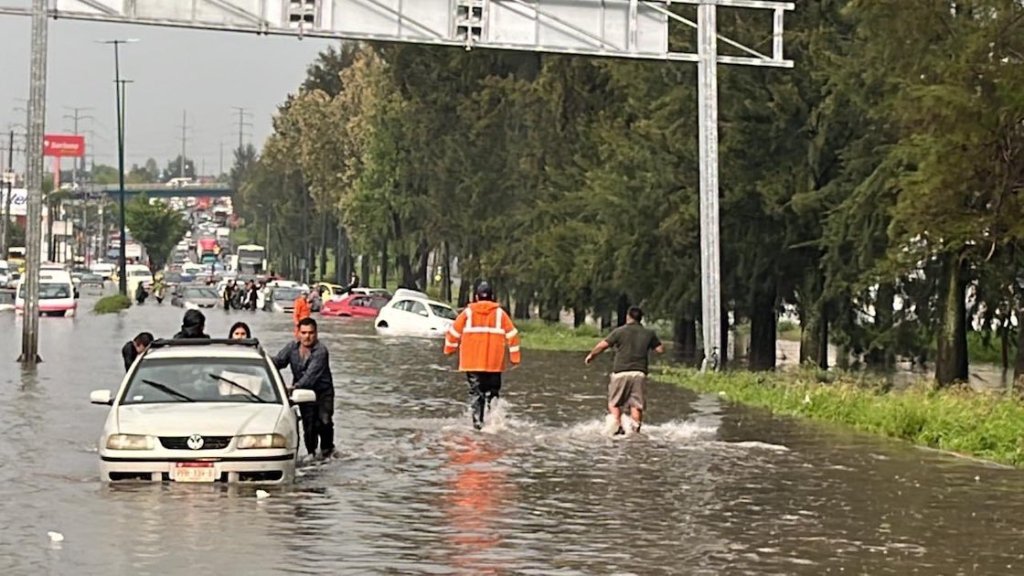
{"points": [[753, 444]]}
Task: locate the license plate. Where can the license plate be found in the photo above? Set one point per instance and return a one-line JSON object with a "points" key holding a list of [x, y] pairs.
{"points": [[194, 472]]}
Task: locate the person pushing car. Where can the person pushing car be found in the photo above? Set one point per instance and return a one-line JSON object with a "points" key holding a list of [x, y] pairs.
{"points": [[480, 335]]}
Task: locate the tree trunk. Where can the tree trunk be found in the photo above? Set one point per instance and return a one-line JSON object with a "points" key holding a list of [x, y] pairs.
{"points": [[323, 246], [1004, 346], [464, 288], [551, 312], [951, 358], [1018, 364], [423, 266], [404, 264], [446, 273], [763, 326], [579, 316], [621, 309], [522, 306], [882, 356], [823, 321], [364, 269], [384, 265], [684, 335], [723, 344]]}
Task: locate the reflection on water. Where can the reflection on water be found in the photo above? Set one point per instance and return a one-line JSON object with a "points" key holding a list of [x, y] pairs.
{"points": [[705, 489]]}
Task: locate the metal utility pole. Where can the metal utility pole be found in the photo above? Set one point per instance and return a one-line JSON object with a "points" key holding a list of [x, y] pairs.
{"points": [[119, 89], [6, 207], [75, 117], [707, 110], [184, 137], [34, 182], [242, 124]]}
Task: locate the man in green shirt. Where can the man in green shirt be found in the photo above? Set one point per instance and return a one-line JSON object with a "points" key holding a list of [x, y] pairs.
{"points": [[627, 387]]}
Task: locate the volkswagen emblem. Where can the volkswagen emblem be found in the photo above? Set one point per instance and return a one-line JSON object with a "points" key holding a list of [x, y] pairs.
{"points": [[195, 442]]}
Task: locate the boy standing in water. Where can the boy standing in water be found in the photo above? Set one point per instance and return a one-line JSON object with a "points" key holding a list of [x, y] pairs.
{"points": [[628, 383]]}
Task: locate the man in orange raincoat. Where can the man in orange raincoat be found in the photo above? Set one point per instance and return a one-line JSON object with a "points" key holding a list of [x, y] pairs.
{"points": [[480, 335], [300, 309]]}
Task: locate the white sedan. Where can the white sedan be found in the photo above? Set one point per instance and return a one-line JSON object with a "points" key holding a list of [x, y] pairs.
{"points": [[201, 411], [411, 313]]}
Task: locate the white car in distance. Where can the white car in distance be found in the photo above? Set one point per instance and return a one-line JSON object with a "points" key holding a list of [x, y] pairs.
{"points": [[412, 313], [201, 410]]}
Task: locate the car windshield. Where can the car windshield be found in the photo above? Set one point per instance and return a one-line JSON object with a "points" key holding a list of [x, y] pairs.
{"points": [[443, 311], [201, 380], [282, 294], [49, 291], [201, 293]]}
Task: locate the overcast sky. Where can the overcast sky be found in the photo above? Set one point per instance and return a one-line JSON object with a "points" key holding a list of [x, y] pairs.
{"points": [[203, 73]]}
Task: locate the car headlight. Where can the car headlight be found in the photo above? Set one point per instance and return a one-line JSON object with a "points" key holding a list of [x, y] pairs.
{"points": [[261, 441], [130, 442], [191, 306]]}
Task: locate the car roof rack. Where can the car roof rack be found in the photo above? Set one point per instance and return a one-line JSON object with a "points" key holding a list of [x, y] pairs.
{"points": [[171, 342]]}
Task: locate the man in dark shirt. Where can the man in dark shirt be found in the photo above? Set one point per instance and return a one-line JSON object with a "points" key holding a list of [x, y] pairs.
{"points": [[131, 349], [311, 369], [627, 387]]}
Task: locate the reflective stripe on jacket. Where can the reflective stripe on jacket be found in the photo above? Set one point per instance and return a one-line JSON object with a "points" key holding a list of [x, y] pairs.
{"points": [[480, 335]]}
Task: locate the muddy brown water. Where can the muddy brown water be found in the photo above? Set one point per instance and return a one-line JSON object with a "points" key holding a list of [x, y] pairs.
{"points": [[706, 489]]}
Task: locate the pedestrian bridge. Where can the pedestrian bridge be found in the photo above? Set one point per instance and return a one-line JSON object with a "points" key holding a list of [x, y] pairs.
{"points": [[163, 191]]}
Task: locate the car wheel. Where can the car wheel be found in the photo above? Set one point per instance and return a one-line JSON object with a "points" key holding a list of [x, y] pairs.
{"points": [[382, 324]]}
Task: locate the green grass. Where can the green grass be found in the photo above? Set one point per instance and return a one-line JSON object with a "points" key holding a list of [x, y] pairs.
{"points": [[112, 304], [983, 425], [538, 335]]}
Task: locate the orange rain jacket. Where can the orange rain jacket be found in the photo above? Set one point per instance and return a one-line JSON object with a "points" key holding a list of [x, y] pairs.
{"points": [[300, 311], [480, 335]]}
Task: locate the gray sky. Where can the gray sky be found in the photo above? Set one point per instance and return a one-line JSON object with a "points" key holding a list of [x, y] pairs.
{"points": [[205, 73]]}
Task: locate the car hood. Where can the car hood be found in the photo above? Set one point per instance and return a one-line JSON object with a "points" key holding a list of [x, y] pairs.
{"points": [[207, 419]]}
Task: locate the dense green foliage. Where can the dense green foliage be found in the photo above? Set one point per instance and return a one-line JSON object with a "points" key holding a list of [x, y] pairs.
{"points": [[869, 190], [982, 425], [156, 226], [112, 304]]}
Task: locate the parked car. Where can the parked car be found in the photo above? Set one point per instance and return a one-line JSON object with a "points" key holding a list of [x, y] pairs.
{"points": [[94, 281], [200, 410], [411, 313], [373, 292], [194, 296], [354, 305]]}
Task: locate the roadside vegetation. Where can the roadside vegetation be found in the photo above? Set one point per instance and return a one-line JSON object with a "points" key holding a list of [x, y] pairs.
{"points": [[984, 425], [537, 335], [868, 190], [112, 304]]}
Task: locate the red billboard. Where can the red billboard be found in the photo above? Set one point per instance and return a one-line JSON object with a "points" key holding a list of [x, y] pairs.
{"points": [[64, 145]]}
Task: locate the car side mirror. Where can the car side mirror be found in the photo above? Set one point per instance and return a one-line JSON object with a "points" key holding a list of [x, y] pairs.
{"points": [[101, 397], [303, 396], [424, 313]]}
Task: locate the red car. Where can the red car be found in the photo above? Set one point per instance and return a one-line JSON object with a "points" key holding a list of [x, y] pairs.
{"points": [[354, 305]]}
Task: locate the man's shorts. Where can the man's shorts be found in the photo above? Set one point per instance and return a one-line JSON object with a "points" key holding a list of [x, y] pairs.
{"points": [[628, 389]]}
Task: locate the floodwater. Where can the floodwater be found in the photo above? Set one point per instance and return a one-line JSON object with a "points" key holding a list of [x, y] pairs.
{"points": [[705, 489]]}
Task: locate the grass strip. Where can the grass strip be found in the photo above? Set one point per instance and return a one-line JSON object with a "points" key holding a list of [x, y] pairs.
{"points": [[112, 304], [983, 425]]}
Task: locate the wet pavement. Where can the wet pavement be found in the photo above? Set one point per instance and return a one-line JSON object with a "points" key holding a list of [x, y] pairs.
{"points": [[706, 489]]}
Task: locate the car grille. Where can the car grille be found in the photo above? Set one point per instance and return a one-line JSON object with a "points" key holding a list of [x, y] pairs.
{"points": [[181, 442]]}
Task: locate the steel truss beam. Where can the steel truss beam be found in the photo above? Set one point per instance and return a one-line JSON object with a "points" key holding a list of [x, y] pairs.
{"points": [[268, 17]]}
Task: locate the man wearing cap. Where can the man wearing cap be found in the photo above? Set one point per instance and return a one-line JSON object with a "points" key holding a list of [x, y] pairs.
{"points": [[480, 335], [300, 308]]}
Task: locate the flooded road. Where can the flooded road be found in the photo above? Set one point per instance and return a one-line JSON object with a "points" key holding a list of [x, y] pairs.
{"points": [[706, 489]]}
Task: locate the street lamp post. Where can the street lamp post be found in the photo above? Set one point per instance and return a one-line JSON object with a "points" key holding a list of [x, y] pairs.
{"points": [[122, 280]]}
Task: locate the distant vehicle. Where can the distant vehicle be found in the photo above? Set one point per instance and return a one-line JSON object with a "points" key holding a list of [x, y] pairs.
{"points": [[5, 275], [6, 301], [355, 306], [252, 258], [194, 297], [208, 250], [138, 274], [104, 269], [200, 411], [16, 258], [412, 313], [373, 292], [92, 280], [281, 299], [331, 291], [57, 294]]}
